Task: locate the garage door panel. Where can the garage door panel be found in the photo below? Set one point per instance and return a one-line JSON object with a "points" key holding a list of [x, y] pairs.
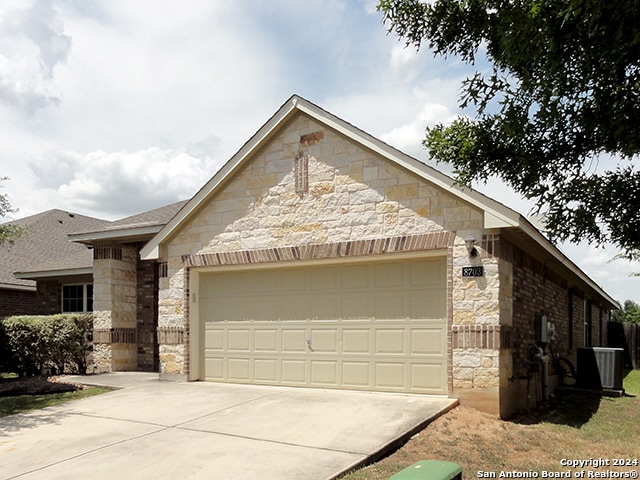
{"points": [[391, 305], [294, 340], [265, 339], [323, 279], [239, 369], [266, 370], [324, 340], [356, 374], [327, 308], [356, 277], [356, 341], [389, 375], [427, 305], [214, 339], [215, 369], [357, 306], [374, 326], [239, 340], [390, 275], [427, 341], [294, 372], [428, 378], [390, 341], [324, 373]]}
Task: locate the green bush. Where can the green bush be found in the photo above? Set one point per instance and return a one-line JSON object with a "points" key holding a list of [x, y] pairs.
{"points": [[33, 345]]}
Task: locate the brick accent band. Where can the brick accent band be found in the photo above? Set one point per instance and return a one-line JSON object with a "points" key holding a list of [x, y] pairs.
{"points": [[351, 248], [115, 335], [170, 335], [480, 336]]}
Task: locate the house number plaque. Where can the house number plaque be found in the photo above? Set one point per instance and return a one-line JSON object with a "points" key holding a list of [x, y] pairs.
{"points": [[472, 271]]}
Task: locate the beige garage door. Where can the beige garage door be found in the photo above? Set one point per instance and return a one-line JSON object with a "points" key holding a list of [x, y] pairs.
{"points": [[365, 326]]}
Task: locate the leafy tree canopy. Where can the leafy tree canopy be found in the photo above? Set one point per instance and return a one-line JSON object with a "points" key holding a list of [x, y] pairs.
{"points": [[8, 233], [561, 95], [630, 313]]}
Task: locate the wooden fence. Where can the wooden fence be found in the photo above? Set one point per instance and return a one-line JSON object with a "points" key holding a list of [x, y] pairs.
{"points": [[627, 336]]}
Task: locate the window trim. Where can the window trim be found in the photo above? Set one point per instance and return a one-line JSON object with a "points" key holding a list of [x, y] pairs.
{"points": [[85, 297]]}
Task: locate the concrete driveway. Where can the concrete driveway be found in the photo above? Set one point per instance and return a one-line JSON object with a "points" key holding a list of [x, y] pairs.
{"points": [[150, 429]]}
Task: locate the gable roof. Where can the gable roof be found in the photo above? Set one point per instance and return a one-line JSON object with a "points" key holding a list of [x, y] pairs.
{"points": [[496, 215], [44, 246]]}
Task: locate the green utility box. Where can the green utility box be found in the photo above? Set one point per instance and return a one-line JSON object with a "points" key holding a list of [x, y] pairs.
{"points": [[430, 470]]}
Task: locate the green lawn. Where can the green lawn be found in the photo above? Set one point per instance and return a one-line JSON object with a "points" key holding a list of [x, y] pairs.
{"points": [[23, 403]]}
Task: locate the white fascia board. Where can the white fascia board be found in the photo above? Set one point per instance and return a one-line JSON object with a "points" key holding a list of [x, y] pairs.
{"points": [[22, 288], [115, 234], [53, 273]]}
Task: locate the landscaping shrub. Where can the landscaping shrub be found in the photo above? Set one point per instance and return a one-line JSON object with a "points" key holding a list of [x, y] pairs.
{"points": [[33, 345]]}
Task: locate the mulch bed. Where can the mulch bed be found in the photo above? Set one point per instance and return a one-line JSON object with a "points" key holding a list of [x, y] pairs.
{"points": [[10, 387]]}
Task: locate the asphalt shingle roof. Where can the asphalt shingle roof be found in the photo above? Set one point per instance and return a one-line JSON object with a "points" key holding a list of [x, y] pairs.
{"points": [[44, 245]]}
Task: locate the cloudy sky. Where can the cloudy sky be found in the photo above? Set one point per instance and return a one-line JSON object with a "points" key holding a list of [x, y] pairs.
{"points": [[112, 107]]}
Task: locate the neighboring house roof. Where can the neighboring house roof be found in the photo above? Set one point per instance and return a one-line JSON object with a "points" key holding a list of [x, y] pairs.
{"points": [[52, 245], [44, 246], [496, 215], [139, 227]]}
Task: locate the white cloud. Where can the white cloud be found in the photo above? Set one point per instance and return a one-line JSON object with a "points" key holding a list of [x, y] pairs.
{"points": [[113, 185], [32, 44]]}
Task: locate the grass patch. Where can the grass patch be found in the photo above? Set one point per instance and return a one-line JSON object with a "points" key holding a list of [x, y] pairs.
{"points": [[577, 425], [631, 382], [24, 403]]}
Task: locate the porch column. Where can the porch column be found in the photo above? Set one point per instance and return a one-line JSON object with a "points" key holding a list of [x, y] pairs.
{"points": [[114, 308]]}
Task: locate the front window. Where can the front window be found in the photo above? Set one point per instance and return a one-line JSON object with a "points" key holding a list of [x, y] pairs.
{"points": [[77, 298]]}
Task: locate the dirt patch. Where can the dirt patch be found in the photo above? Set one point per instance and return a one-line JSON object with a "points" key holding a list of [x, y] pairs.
{"points": [[11, 387]]}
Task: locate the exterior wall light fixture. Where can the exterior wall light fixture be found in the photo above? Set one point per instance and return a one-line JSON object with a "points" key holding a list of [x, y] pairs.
{"points": [[470, 243]]}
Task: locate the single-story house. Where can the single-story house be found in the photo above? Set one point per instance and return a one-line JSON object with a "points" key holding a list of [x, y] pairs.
{"points": [[65, 279], [43, 272], [319, 256]]}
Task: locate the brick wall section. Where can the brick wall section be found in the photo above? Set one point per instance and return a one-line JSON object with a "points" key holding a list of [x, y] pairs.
{"points": [[49, 298], [17, 302], [537, 289], [46, 300], [353, 195], [147, 315]]}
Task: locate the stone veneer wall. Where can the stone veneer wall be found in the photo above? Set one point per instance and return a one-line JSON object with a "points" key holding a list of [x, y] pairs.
{"points": [[114, 308], [352, 195], [477, 329]]}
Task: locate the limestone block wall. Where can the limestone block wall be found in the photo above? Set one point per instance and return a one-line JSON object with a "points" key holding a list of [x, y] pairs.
{"points": [[477, 318], [115, 304], [349, 194]]}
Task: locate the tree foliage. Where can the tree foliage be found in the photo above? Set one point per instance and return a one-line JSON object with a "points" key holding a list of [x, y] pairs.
{"points": [[8, 233], [562, 94], [630, 313]]}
